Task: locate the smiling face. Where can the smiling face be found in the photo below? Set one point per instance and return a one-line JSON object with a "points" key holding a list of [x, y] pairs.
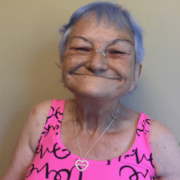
{"points": [[88, 71]]}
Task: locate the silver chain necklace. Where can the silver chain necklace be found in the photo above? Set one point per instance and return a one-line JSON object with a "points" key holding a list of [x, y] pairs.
{"points": [[82, 164]]}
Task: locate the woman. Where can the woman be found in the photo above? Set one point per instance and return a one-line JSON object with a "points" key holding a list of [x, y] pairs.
{"points": [[93, 136]]}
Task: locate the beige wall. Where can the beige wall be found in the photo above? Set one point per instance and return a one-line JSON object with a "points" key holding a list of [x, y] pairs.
{"points": [[29, 50]]}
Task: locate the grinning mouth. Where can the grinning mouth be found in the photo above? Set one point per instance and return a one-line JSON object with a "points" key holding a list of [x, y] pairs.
{"points": [[99, 76]]}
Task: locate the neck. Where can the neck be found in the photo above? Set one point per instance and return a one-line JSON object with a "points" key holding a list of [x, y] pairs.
{"points": [[95, 115]]}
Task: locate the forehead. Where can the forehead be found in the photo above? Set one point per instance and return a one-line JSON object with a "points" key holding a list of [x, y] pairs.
{"points": [[103, 30]]}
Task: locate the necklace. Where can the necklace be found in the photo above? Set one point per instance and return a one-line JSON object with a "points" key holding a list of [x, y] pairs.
{"points": [[82, 164]]}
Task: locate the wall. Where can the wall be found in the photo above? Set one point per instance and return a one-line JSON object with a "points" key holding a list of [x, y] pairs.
{"points": [[29, 52]]}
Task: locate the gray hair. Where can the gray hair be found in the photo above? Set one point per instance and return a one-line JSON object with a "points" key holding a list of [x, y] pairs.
{"points": [[121, 17]]}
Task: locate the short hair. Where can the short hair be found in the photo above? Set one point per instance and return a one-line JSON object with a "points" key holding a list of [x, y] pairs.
{"points": [[115, 13]]}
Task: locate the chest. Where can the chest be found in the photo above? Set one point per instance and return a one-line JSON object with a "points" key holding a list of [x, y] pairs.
{"points": [[109, 146]]}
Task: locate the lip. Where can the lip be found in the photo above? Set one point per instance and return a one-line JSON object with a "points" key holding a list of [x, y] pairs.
{"points": [[111, 78]]}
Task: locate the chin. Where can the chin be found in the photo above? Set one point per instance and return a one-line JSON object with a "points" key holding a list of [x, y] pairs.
{"points": [[91, 92]]}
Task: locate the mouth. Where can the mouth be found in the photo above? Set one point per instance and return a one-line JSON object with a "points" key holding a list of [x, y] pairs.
{"points": [[98, 76]]}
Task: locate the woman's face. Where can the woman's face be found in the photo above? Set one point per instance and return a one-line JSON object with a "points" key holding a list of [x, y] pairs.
{"points": [[91, 74]]}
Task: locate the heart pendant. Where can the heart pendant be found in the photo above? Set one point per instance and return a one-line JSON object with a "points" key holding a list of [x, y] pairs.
{"points": [[81, 165]]}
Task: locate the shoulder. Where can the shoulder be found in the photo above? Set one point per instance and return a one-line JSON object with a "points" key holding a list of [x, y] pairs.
{"points": [[40, 112], [165, 150], [35, 122], [159, 131], [41, 107]]}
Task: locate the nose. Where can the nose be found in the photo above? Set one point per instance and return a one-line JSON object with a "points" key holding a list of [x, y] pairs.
{"points": [[97, 62]]}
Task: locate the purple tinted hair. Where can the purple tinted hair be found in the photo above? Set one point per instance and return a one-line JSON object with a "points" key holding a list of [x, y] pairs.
{"points": [[115, 13]]}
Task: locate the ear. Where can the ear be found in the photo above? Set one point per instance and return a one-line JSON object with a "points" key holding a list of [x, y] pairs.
{"points": [[61, 66], [137, 73]]}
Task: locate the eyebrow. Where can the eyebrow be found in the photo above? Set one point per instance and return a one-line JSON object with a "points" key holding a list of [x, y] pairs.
{"points": [[115, 41], [80, 37], [109, 44]]}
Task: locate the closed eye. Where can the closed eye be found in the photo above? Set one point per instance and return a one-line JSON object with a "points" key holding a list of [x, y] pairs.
{"points": [[82, 49], [117, 52]]}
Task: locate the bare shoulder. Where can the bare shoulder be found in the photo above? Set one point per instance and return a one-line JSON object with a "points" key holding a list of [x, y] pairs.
{"points": [[41, 108], [36, 121], [165, 150], [40, 111]]}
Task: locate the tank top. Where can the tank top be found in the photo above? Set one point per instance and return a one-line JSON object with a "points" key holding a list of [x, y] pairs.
{"points": [[54, 161]]}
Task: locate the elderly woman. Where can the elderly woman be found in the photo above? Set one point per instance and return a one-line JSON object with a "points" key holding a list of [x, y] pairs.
{"points": [[93, 136]]}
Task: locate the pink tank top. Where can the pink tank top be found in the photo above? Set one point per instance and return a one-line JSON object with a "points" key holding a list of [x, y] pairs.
{"points": [[54, 162]]}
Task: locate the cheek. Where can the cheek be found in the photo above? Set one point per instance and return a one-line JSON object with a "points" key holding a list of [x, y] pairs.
{"points": [[64, 70], [129, 65], [67, 64], [72, 61], [124, 68]]}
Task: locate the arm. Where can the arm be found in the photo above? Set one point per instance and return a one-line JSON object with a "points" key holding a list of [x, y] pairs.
{"points": [[26, 145], [165, 151]]}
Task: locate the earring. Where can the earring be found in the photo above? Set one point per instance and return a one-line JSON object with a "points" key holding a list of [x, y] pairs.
{"points": [[101, 51]]}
